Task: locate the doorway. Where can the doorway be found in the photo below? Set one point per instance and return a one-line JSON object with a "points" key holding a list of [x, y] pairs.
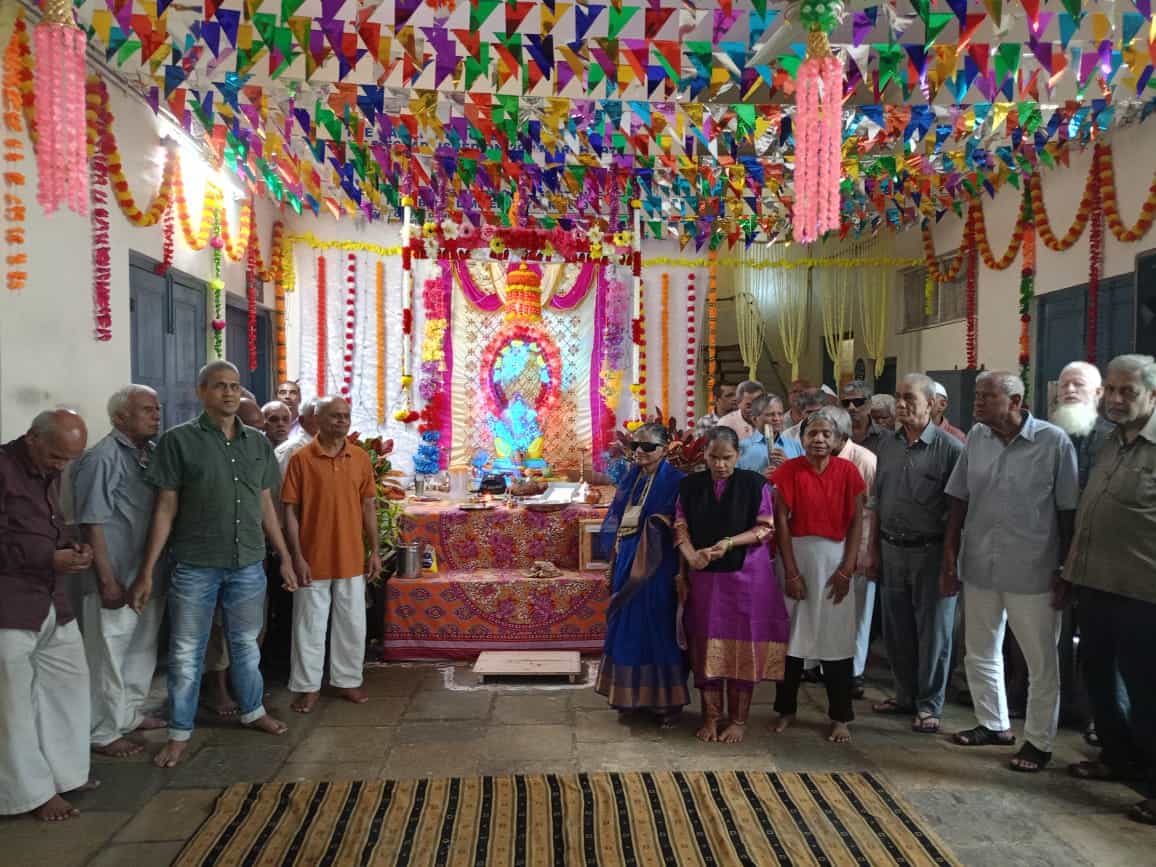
{"points": [[167, 323], [237, 350], [1061, 331]]}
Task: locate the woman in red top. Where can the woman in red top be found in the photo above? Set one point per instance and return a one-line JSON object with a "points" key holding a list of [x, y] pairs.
{"points": [[819, 515]]}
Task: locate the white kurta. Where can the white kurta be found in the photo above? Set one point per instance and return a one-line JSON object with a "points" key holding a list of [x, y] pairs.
{"points": [[820, 629], [44, 714]]}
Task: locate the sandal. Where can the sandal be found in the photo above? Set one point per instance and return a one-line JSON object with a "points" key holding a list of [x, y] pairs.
{"points": [[1100, 772], [1030, 759], [1144, 812], [925, 724], [891, 707], [982, 736]]}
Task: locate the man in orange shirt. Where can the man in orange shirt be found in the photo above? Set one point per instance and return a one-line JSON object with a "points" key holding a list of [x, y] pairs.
{"points": [[330, 518]]}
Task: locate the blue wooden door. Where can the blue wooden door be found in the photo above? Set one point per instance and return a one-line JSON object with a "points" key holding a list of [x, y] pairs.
{"points": [[237, 350]]}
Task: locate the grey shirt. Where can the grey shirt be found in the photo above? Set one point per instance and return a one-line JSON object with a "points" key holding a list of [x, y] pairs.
{"points": [[109, 489], [910, 481], [1014, 493], [873, 437]]}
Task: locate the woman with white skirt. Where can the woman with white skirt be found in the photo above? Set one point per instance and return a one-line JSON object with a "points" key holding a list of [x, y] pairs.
{"points": [[818, 522]]}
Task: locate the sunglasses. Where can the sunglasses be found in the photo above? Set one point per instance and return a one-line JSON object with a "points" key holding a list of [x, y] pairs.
{"points": [[856, 402], [646, 447]]}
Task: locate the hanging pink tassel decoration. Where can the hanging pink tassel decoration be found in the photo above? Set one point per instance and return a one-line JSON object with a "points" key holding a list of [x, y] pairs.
{"points": [[818, 128], [61, 156]]}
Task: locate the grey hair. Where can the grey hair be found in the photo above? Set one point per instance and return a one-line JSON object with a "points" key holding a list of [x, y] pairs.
{"points": [[1089, 370], [273, 405], [214, 367], [1144, 365], [654, 429], [749, 386], [836, 416], [759, 404], [47, 423], [1008, 382], [924, 383], [808, 398], [883, 401], [722, 432], [311, 406], [859, 385], [119, 403]]}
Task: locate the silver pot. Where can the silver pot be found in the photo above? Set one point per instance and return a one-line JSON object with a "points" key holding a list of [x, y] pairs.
{"points": [[408, 561]]}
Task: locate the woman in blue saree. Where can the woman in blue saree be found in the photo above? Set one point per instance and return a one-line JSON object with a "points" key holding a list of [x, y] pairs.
{"points": [[643, 667]]}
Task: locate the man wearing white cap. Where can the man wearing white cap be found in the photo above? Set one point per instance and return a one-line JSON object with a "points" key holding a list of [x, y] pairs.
{"points": [[939, 413]]}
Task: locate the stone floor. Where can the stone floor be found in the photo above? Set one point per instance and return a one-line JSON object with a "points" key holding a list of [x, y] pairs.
{"points": [[438, 721]]}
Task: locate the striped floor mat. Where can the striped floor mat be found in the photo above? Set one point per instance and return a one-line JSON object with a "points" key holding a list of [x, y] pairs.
{"points": [[723, 818]]}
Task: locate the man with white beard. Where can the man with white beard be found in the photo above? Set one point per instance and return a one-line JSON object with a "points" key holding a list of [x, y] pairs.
{"points": [[1077, 414]]}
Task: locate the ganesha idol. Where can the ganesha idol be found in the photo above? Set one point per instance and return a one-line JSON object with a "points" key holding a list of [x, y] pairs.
{"points": [[522, 377]]}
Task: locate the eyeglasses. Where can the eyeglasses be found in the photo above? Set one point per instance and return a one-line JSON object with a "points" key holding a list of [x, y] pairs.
{"points": [[856, 402], [646, 447]]}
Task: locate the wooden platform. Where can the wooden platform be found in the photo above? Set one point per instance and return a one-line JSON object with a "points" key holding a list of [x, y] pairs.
{"points": [[529, 663]]}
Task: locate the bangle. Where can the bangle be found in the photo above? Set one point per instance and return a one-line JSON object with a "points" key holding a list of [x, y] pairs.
{"points": [[728, 542]]}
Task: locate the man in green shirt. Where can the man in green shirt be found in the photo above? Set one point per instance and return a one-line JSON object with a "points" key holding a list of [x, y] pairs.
{"points": [[214, 509]]}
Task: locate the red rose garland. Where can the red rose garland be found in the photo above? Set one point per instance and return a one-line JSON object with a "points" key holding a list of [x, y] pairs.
{"points": [[1095, 266], [101, 250], [167, 245], [350, 324], [322, 327], [691, 336], [251, 279], [972, 279]]}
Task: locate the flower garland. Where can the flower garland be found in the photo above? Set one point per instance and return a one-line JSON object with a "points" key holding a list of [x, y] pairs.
{"points": [[406, 413], [345, 246], [691, 345], [613, 345], [101, 249], [211, 212], [251, 280], [979, 233], [350, 325], [61, 163], [1095, 267], [711, 323], [508, 339], [433, 352], [665, 326], [15, 213], [168, 243], [236, 248], [379, 319], [948, 271], [638, 335], [1027, 290], [888, 262], [322, 328], [1044, 226], [1106, 180], [277, 274], [217, 285], [972, 281]]}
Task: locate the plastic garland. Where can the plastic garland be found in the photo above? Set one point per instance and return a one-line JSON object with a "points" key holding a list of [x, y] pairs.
{"points": [[691, 346], [101, 249], [638, 335], [711, 323], [61, 164], [350, 326], [1027, 290], [217, 286], [15, 212], [1095, 267], [322, 327], [379, 320], [667, 407]]}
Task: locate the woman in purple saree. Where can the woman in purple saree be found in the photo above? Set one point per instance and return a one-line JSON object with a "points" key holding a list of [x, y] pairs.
{"points": [[736, 618], [642, 665]]}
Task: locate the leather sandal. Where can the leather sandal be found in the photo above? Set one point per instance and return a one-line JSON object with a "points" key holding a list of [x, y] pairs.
{"points": [[982, 736]]}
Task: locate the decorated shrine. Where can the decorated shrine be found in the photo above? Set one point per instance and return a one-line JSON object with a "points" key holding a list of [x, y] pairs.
{"points": [[510, 233]]}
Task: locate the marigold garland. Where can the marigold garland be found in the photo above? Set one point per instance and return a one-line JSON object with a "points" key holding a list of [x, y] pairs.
{"points": [[217, 286], [251, 278], [1095, 267], [948, 271], [1027, 290], [1044, 226], [101, 249], [211, 212], [15, 212], [379, 320], [236, 248], [711, 323], [979, 233], [667, 407], [350, 325], [1106, 179], [322, 328], [691, 346], [278, 275]]}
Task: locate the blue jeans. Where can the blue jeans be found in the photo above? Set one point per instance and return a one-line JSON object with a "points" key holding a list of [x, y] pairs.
{"points": [[917, 626], [193, 596]]}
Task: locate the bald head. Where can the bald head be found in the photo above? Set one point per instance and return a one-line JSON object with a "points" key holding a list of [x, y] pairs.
{"points": [[250, 413], [332, 419], [56, 437]]}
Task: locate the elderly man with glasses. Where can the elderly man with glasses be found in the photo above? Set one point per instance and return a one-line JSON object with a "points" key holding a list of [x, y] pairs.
{"points": [[856, 400]]}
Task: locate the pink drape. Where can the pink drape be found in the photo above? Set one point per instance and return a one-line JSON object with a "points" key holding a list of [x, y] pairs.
{"points": [[577, 293], [488, 302]]}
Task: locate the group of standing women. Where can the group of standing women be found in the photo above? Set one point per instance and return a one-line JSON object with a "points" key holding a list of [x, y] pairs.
{"points": [[734, 576]]}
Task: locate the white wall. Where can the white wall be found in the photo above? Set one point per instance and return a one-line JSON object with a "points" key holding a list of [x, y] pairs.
{"points": [[48, 355]]}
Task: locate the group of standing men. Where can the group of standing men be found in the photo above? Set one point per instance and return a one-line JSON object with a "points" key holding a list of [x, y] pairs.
{"points": [[191, 522]]}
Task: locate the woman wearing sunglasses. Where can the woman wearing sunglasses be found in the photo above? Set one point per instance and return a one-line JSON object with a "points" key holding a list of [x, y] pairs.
{"points": [[736, 618], [642, 665]]}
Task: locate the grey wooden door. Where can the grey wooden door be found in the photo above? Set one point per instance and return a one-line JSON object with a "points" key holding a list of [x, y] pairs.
{"points": [[1061, 330], [168, 322], [237, 350]]}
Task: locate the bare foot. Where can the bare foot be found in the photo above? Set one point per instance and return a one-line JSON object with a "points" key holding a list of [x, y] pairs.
{"points": [[708, 732], [306, 701], [119, 749], [782, 722], [55, 810], [151, 723], [171, 754], [733, 734], [840, 734], [269, 725], [355, 694]]}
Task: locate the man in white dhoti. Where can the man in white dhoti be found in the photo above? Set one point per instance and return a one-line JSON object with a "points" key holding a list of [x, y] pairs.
{"points": [[114, 505], [43, 676]]}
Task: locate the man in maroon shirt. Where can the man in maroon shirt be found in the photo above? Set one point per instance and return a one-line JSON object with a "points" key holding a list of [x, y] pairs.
{"points": [[44, 691]]}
